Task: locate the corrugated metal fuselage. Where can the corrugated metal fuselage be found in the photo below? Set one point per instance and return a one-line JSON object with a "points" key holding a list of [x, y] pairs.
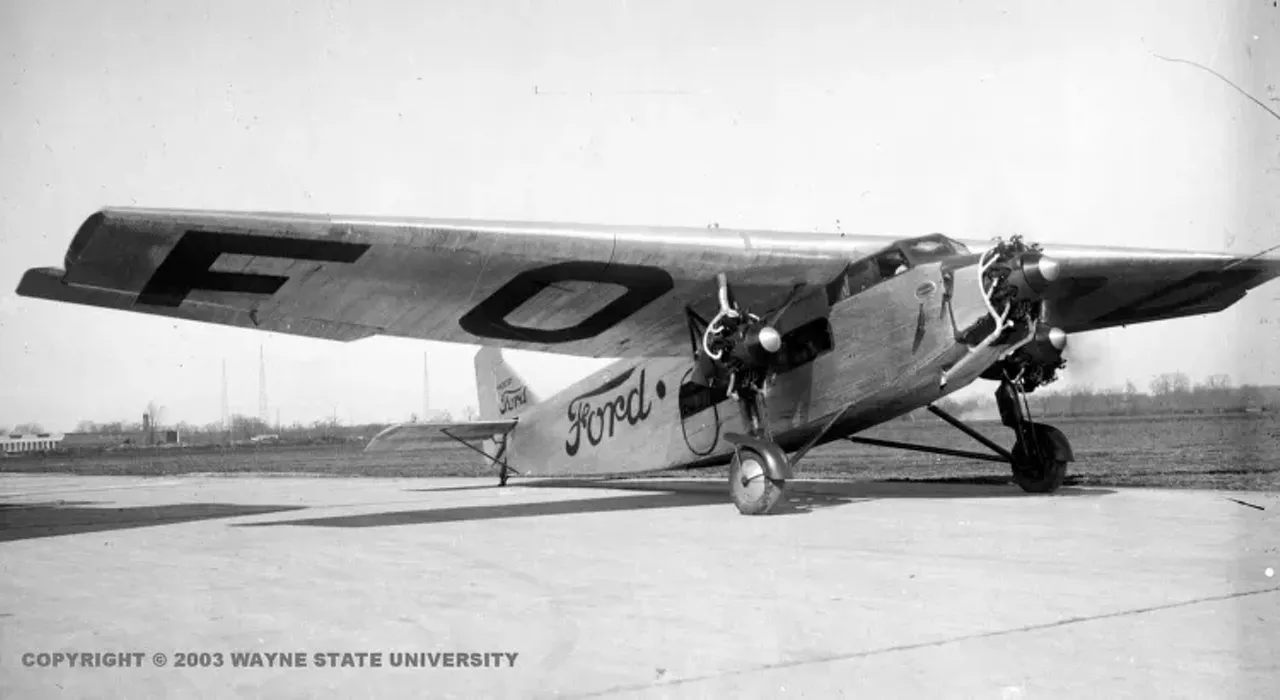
{"points": [[889, 347]]}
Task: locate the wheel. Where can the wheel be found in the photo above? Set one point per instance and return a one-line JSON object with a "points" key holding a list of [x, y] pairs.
{"points": [[1041, 466], [753, 492]]}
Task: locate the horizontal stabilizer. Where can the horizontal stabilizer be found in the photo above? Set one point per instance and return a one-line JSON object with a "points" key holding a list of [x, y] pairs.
{"points": [[415, 436]]}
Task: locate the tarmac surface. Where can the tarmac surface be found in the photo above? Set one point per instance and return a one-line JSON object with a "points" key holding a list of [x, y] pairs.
{"points": [[646, 589]]}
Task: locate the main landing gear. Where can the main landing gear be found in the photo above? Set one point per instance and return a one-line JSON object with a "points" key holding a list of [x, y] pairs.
{"points": [[1040, 452]]}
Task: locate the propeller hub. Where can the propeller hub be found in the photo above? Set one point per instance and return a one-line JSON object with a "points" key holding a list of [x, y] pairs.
{"points": [[1057, 338], [1049, 268], [770, 339]]}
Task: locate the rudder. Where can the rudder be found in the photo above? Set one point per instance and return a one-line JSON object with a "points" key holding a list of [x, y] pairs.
{"points": [[501, 391]]}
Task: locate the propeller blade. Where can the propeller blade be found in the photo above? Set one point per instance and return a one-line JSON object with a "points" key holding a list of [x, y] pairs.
{"points": [[786, 304]]}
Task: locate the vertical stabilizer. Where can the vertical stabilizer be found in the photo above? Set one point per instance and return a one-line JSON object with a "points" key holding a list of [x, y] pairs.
{"points": [[501, 391]]}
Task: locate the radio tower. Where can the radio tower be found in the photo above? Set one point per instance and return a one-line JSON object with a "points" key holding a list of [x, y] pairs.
{"points": [[426, 391], [262, 387], [225, 405]]}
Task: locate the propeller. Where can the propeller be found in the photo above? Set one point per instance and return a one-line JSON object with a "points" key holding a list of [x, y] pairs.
{"points": [[786, 305]]}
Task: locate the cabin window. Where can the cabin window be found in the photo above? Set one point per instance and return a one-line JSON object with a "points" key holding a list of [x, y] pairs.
{"points": [[696, 398]]}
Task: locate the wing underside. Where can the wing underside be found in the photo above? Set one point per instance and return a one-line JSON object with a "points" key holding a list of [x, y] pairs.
{"points": [[1101, 288], [572, 289]]}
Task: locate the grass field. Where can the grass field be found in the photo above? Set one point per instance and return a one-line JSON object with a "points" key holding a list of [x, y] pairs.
{"points": [[1228, 452]]}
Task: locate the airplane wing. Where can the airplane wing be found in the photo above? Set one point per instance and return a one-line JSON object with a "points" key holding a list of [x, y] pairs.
{"points": [[590, 291], [1105, 287], [413, 436]]}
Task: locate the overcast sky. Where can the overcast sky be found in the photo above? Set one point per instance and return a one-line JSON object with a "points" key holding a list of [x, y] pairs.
{"points": [[976, 118]]}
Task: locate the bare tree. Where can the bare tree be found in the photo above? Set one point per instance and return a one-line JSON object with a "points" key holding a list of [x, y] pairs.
{"points": [[156, 413], [28, 428], [1218, 381]]}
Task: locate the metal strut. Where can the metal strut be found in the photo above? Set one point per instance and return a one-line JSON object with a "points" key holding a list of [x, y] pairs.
{"points": [[1005, 456], [795, 458], [1001, 318], [958, 425], [505, 471]]}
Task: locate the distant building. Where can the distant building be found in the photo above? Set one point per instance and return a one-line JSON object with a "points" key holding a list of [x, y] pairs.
{"points": [[16, 443], [101, 440]]}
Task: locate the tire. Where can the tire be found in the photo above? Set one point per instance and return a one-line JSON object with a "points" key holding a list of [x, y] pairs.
{"points": [[759, 494], [1041, 467]]}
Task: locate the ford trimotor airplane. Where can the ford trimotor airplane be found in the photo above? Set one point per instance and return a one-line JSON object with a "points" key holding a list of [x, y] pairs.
{"points": [[739, 347]]}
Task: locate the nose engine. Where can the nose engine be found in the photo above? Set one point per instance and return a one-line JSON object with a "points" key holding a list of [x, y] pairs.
{"points": [[737, 347]]}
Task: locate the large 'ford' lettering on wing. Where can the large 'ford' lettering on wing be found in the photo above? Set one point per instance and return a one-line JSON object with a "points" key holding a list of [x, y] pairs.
{"points": [[586, 290]]}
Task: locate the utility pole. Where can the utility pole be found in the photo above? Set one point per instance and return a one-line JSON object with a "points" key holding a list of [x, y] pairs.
{"points": [[262, 388], [225, 405]]}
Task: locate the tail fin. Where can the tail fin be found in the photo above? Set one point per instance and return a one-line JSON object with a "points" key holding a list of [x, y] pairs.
{"points": [[502, 392]]}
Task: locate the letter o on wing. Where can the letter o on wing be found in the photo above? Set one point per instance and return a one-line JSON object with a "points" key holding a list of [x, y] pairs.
{"points": [[643, 283]]}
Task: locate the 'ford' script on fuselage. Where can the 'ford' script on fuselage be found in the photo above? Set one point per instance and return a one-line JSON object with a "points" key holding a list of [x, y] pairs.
{"points": [[597, 421]]}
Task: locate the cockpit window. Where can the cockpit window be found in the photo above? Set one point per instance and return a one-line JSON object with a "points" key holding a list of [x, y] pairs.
{"points": [[891, 263], [872, 270], [933, 248]]}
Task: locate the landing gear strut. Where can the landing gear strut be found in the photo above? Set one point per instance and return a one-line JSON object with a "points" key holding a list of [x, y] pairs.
{"points": [[1040, 452]]}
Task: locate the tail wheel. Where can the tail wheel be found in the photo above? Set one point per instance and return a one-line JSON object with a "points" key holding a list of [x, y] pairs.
{"points": [[753, 492], [1041, 465]]}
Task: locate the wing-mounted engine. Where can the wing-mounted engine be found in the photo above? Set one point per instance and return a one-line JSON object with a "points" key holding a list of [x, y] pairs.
{"points": [[1013, 277]]}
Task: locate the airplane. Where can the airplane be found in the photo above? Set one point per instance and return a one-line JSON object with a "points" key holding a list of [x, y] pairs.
{"points": [[739, 347]]}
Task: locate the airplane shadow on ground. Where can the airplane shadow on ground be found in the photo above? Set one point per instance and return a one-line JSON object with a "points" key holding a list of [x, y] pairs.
{"points": [[24, 521], [826, 493], [802, 497]]}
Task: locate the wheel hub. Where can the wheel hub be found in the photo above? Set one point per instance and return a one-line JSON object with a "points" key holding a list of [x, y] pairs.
{"points": [[750, 481]]}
